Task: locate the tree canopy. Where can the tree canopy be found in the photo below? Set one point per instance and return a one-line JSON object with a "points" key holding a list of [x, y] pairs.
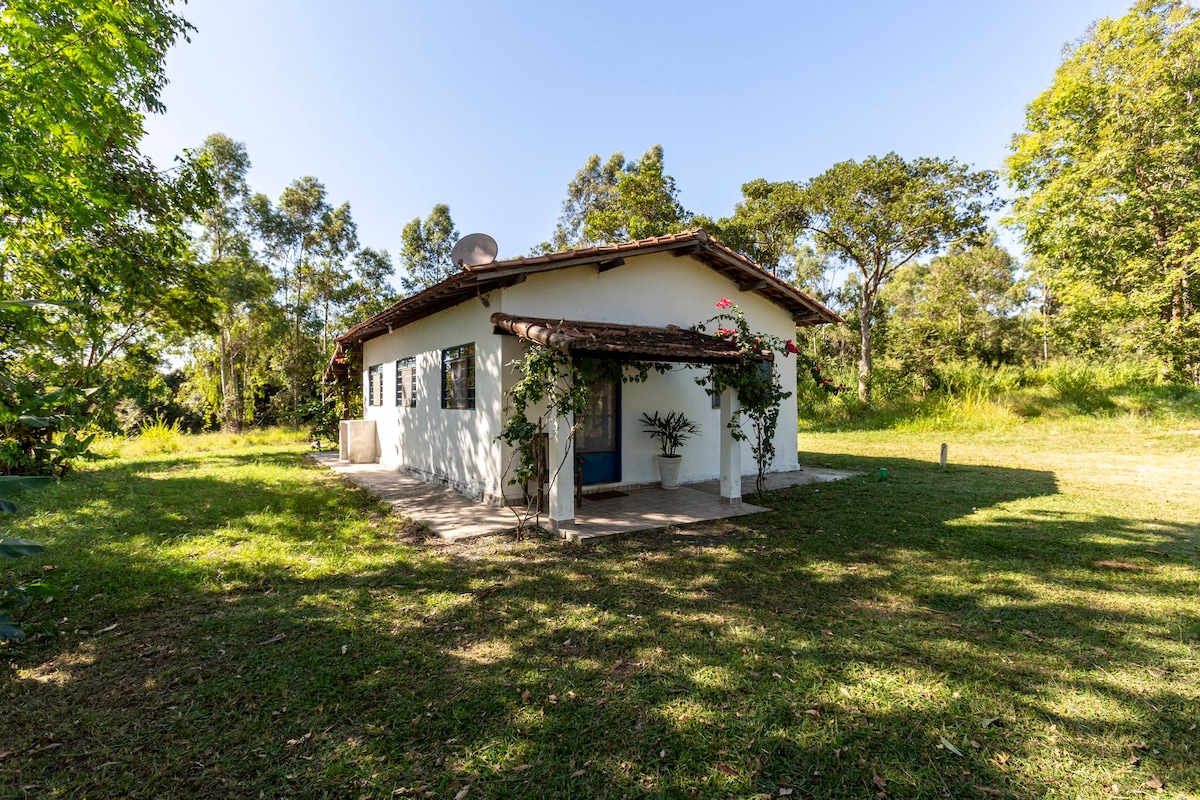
{"points": [[877, 215], [1109, 190], [84, 216], [425, 251], [618, 200]]}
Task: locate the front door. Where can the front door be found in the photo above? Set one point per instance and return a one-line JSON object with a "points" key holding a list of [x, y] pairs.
{"points": [[598, 443]]}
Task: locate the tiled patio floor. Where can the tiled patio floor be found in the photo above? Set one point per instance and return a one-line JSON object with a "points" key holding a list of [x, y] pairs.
{"points": [[453, 516]]}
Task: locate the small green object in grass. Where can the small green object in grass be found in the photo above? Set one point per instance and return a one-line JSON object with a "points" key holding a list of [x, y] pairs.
{"points": [[883, 473]]}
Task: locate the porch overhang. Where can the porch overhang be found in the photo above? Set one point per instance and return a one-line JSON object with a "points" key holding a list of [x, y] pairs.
{"points": [[616, 340]]}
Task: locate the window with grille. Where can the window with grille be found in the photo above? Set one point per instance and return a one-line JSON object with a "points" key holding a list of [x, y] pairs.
{"points": [[375, 385], [458, 376], [406, 382]]}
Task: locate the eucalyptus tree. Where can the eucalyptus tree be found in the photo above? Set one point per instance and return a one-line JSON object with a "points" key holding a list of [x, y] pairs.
{"points": [[291, 233], [618, 200], [337, 240], [370, 291], [644, 203], [1109, 192], [591, 190], [242, 285], [425, 250]]}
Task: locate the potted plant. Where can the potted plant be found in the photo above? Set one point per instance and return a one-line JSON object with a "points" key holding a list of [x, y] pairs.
{"points": [[671, 431]]}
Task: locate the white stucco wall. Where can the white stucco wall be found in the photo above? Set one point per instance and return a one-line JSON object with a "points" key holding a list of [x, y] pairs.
{"points": [[457, 447], [660, 289], [450, 446]]}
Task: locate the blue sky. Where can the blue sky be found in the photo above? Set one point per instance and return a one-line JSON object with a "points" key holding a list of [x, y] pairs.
{"points": [[492, 107]]}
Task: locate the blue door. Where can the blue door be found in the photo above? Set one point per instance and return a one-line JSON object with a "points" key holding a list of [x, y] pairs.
{"points": [[598, 443]]}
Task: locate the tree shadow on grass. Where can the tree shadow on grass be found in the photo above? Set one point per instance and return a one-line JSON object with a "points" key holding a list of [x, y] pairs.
{"points": [[850, 634]]}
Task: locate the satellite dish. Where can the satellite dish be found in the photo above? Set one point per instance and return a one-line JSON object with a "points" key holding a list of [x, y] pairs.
{"points": [[474, 250]]}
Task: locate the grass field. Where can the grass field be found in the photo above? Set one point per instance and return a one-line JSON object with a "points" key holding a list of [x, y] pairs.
{"points": [[239, 623]]}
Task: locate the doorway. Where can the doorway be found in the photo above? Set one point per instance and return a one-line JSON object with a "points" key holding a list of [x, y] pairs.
{"points": [[598, 443]]}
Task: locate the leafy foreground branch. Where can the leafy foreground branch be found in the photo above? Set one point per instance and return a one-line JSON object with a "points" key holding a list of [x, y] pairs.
{"points": [[17, 595]]}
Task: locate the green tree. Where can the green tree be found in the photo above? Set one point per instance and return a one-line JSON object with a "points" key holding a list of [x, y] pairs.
{"points": [[591, 190], [242, 284], [371, 290], [292, 234], [644, 203], [425, 252], [758, 230], [879, 215], [963, 305], [338, 238], [1109, 191], [84, 216]]}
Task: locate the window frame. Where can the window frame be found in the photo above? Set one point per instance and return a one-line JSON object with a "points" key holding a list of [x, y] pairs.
{"points": [[406, 365], [375, 382], [450, 356]]}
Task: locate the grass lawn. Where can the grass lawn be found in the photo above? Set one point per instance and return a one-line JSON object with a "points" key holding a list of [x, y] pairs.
{"points": [[239, 623]]}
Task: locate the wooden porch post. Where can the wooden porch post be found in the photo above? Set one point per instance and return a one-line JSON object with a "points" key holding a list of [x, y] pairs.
{"points": [[731, 451]]}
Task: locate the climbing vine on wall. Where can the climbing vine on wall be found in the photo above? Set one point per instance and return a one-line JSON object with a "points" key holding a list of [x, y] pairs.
{"points": [[754, 378], [557, 385]]}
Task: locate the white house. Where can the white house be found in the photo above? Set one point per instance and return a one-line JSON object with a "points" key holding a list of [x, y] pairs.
{"points": [[435, 365]]}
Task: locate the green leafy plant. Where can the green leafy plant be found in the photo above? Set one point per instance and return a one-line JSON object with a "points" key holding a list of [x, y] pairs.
{"points": [[754, 378], [324, 423], [14, 596], [40, 430], [560, 386], [160, 436], [671, 431]]}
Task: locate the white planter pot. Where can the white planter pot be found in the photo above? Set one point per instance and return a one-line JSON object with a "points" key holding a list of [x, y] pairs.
{"points": [[668, 471]]}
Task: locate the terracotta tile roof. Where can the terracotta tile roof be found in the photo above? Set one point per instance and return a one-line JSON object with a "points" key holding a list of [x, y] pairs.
{"points": [[611, 340], [475, 281], [339, 364]]}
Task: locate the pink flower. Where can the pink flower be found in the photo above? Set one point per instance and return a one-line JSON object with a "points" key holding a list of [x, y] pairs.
{"points": [[724, 302], [790, 347]]}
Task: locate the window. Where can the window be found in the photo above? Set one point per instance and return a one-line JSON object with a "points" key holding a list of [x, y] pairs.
{"points": [[375, 385], [406, 382], [458, 376], [714, 394]]}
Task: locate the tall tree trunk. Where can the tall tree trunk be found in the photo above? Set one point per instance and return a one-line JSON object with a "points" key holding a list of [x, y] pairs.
{"points": [[239, 395], [1046, 297], [226, 381], [866, 306], [296, 345]]}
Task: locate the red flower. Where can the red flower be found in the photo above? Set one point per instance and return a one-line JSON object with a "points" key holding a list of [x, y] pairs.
{"points": [[724, 302], [790, 347]]}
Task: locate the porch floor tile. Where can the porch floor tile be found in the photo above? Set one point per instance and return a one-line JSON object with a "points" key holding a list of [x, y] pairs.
{"points": [[453, 516], [649, 508]]}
